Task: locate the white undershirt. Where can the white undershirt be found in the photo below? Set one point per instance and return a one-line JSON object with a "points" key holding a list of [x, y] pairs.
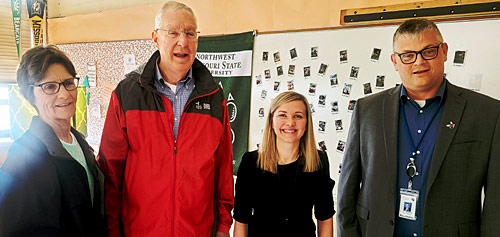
{"points": [[421, 103], [172, 86]]}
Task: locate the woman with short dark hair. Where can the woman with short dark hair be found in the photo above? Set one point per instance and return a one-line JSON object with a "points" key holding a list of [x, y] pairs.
{"points": [[49, 183]]}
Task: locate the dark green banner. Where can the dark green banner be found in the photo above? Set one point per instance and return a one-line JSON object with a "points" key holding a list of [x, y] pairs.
{"points": [[229, 59], [16, 18]]}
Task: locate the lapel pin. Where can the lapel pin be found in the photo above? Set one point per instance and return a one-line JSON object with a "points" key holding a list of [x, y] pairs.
{"points": [[451, 125]]}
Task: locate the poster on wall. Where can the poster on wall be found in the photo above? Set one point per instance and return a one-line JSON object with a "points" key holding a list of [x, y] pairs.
{"points": [[229, 59], [36, 10], [92, 74]]}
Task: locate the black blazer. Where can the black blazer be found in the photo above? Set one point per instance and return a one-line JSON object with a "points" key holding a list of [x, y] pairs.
{"points": [[465, 159], [45, 192]]}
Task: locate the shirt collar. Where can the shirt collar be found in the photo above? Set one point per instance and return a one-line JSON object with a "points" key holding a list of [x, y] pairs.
{"points": [[182, 82], [438, 96]]}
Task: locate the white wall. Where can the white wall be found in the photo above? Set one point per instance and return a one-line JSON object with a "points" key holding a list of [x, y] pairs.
{"points": [[478, 38]]}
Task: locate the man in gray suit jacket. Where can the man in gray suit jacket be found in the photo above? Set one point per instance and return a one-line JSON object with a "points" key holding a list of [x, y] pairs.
{"points": [[427, 144]]}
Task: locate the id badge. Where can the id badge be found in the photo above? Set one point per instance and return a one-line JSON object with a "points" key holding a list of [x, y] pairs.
{"points": [[408, 204]]}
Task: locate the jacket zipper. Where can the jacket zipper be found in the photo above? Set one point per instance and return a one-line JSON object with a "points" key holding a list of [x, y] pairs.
{"points": [[175, 157]]}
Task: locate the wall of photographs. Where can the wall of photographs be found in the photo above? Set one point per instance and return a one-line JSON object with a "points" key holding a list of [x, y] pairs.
{"points": [[334, 68]]}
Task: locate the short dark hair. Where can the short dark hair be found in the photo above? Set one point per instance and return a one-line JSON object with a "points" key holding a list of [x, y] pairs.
{"points": [[34, 64], [414, 27]]}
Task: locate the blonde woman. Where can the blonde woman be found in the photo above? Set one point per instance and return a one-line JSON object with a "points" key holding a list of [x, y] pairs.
{"points": [[278, 185]]}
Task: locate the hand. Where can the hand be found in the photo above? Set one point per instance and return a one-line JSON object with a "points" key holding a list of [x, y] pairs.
{"points": [[222, 234]]}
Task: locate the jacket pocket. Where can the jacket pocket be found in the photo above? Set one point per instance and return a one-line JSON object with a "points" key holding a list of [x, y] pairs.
{"points": [[469, 229], [467, 147], [362, 212]]}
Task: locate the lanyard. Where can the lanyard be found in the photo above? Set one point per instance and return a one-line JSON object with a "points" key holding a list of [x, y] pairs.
{"points": [[411, 168]]}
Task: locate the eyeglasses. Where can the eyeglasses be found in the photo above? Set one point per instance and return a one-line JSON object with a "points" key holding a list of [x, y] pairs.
{"points": [[427, 54], [174, 34], [51, 87]]}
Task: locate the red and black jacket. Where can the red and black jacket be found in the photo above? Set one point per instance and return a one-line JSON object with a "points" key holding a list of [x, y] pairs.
{"points": [[156, 186]]}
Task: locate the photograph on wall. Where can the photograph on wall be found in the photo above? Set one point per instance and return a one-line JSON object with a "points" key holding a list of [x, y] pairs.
{"points": [[276, 86], [267, 74], [340, 146], [279, 70], [291, 70], [293, 54], [290, 85], [258, 80], [338, 125], [375, 54], [322, 101], [322, 145], [312, 109], [367, 88], [380, 82], [277, 57], [334, 82], [335, 107], [312, 88], [265, 56], [350, 107], [314, 52], [261, 112], [263, 94], [322, 126], [343, 56], [322, 69], [459, 58], [307, 72], [347, 89], [354, 73]]}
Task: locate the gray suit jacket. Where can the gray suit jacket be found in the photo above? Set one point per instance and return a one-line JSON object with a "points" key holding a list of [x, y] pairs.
{"points": [[465, 159]]}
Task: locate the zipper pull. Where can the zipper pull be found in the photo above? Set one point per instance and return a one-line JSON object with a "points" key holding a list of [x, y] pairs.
{"points": [[175, 147]]}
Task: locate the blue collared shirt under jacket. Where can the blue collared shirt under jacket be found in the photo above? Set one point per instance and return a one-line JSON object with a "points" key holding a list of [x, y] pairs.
{"points": [[418, 118], [179, 98]]}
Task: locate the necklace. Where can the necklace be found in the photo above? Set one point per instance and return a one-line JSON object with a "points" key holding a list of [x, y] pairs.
{"points": [[280, 162]]}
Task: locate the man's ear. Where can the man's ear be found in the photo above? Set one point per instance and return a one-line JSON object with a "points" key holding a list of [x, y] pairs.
{"points": [[154, 36], [445, 51], [394, 62]]}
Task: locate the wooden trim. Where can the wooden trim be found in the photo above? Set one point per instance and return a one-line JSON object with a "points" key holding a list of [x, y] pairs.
{"points": [[462, 18], [429, 10]]}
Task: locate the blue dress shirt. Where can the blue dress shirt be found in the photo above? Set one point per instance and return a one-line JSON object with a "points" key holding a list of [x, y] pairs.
{"points": [[177, 99], [417, 118]]}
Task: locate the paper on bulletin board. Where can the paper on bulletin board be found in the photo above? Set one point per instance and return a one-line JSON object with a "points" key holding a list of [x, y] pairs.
{"points": [[92, 74], [128, 63], [107, 89], [95, 110]]}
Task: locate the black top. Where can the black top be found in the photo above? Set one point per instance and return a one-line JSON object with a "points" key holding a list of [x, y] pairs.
{"points": [[45, 192], [281, 204]]}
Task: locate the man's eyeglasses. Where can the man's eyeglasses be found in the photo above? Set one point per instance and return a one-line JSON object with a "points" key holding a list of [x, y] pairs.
{"points": [[51, 88], [427, 54], [174, 34]]}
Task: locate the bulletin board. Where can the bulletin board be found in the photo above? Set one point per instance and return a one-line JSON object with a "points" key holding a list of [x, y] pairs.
{"points": [[110, 61], [345, 64]]}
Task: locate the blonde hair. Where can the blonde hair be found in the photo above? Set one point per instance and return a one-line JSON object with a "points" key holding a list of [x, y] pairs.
{"points": [[267, 159], [172, 6]]}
